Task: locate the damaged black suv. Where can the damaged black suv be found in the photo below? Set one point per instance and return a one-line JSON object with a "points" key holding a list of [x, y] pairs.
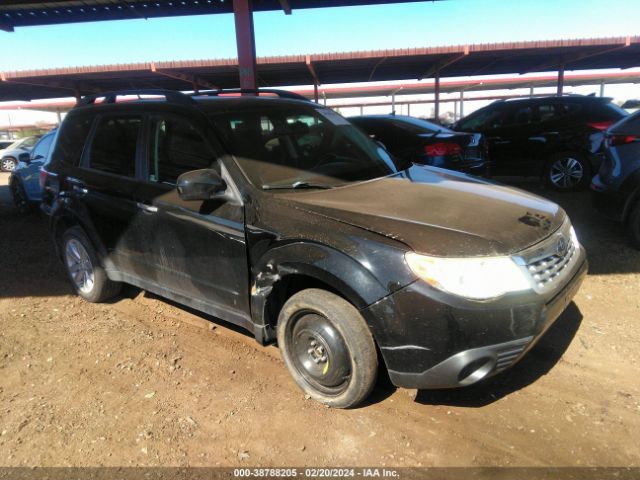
{"points": [[278, 215]]}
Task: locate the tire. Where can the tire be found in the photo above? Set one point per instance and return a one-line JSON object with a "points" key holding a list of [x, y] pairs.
{"points": [[327, 348], [87, 276], [20, 200], [633, 226], [567, 171], [8, 164]]}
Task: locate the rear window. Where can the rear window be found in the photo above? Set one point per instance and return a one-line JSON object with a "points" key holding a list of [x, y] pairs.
{"points": [[601, 111], [114, 145], [71, 138]]}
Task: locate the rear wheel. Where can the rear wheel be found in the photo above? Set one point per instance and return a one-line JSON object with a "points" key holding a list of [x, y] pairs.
{"points": [[634, 225], [567, 171], [20, 200], [87, 276], [328, 348], [8, 164]]}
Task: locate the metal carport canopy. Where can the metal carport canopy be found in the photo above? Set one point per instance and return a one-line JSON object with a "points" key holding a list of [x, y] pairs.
{"points": [[329, 68]]}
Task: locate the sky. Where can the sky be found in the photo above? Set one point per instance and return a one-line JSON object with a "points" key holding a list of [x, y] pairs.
{"points": [[424, 24], [317, 30]]}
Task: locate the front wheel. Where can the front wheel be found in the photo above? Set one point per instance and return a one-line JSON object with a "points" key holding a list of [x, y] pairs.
{"points": [[8, 164], [567, 171], [328, 348], [87, 276]]}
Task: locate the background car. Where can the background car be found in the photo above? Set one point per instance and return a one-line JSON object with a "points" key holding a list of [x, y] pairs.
{"points": [[616, 187], [10, 155], [419, 141], [4, 144], [24, 181], [554, 138]]}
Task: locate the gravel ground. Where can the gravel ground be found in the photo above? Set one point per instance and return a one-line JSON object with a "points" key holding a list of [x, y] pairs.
{"points": [[141, 381]]}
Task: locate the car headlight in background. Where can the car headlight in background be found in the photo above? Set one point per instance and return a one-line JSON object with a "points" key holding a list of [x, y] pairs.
{"points": [[477, 278]]}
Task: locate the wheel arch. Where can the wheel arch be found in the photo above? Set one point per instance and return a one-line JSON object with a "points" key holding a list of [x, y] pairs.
{"points": [[291, 268]]}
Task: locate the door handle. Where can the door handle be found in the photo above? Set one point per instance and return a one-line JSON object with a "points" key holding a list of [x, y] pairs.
{"points": [[147, 208]]}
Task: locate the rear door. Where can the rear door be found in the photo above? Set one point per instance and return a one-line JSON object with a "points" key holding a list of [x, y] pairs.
{"points": [[193, 248], [107, 185]]}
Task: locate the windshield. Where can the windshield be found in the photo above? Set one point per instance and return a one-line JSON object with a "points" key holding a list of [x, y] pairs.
{"points": [[485, 118], [16, 144], [299, 146], [418, 126]]}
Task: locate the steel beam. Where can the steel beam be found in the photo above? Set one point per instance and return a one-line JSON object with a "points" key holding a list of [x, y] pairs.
{"points": [[193, 80], [560, 80], [442, 64], [437, 96], [245, 39], [314, 77], [285, 6]]}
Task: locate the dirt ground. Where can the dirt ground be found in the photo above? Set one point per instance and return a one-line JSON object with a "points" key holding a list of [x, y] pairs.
{"points": [[141, 381]]}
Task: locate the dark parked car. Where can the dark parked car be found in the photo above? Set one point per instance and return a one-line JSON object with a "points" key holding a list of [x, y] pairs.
{"points": [[278, 215], [24, 180], [554, 138], [415, 140], [616, 187], [9, 156]]}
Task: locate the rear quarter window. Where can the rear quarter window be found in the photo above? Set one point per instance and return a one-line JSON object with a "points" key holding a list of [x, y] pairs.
{"points": [[71, 139]]}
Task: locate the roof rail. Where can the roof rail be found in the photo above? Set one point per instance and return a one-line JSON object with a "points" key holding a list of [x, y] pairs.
{"points": [[173, 96], [280, 93]]}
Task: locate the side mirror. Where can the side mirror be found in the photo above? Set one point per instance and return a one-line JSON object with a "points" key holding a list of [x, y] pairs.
{"points": [[24, 157], [201, 185]]}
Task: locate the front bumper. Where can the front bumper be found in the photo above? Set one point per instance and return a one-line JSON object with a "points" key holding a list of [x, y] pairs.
{"points": [[454, 342]]}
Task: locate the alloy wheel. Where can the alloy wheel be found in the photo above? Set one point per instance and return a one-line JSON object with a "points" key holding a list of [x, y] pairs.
{"points": [[566, 173], [79, 266], [8, 164]]}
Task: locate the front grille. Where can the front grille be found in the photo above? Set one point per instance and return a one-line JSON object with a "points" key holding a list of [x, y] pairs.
{"points": [[548, 269], [547, 263]]}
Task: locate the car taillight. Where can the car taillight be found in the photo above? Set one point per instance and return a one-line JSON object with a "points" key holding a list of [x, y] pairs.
{"points": [[43, 178], [442, 149], [602, 126], [613, 140]]}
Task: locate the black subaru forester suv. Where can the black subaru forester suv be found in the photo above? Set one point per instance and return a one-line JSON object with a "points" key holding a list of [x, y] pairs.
{"points": [[278, 215]]}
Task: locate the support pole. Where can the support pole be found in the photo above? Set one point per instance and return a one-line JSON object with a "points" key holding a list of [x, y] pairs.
{"points": [[408, 109], [560, 80], [455, 110], [315, 92], [246, 42], [461, 103], [393, 104], [437, 96], [361, 110], [531, 91], [59, 116], [602, 84]]}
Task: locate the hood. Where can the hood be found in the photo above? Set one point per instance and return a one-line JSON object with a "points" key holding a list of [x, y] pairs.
{"points": [[439, 212]]}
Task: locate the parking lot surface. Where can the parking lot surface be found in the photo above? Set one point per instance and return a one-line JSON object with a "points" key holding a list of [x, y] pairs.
{"points": [[141, 381]]}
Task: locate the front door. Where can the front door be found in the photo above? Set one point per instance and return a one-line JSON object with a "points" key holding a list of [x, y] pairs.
{"points": [[193, 248]]}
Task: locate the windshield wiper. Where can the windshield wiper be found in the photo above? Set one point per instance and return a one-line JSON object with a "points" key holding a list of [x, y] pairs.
{"points": [[296, 185]]}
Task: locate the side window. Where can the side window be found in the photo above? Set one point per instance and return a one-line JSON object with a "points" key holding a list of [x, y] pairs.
{"points": [[176, 147], [521, 116], [548, 112], [30, 142], [42, 148], [113, 149], [71, 139]]}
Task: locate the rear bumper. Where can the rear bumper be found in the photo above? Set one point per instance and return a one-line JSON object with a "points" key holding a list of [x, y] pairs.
{"points": [[427, 343]]}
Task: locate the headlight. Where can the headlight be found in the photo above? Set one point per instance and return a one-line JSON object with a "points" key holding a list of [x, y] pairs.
{"points": [[478, 278], [574, 237]]}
